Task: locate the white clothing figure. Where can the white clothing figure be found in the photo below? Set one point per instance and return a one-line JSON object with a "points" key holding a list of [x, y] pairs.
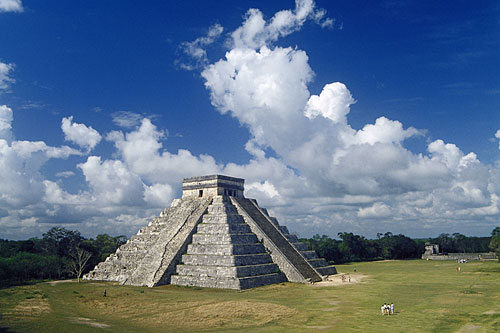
{"points": [[392, 308]]}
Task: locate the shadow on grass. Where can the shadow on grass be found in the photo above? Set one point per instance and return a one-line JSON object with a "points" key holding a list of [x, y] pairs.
{"points": [[490, 269], [5, 329], [9, 284]]}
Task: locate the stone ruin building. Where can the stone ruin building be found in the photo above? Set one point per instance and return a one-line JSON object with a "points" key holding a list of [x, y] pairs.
{"points": [[213, 237], [432, 253], [430, 250]]}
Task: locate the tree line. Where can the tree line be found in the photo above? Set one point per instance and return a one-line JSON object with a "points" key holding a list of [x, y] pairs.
{"points": [[59, 254], [351, 247], [62, 253]]}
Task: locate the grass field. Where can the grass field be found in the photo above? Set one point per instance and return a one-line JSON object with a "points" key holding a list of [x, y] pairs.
{"points": [[428, 296]]}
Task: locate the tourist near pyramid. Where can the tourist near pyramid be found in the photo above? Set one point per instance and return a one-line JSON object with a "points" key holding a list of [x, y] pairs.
{"points": [[212, 237]]}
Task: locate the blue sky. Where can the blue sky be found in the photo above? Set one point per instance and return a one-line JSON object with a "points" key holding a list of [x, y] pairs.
{"points": [[350, 116]]}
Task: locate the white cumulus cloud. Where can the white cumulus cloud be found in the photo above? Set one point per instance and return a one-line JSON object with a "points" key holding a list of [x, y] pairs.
{"points": [[196, 49], [266, 89], [20, 166], [497, 135], [379, 209], [255, 32], [314, 171], [333, 103], [112, 183], [5, 79], [6, 117], [84, 136], [126, 119], [11, 6], [142, 151]]}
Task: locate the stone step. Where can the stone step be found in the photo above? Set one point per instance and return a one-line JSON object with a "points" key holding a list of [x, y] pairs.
{"points": [[225, 249], [223, 219], [227, 283], [117, 266], [136, 243], [303, 270], [201, 238], [226, 260], [213, 228], [309, 254], [327, 270], [225, 271], [301, 246], [205, 281], [261, 280], [227, 209], [130, 256], [318, 262], [292, 238], [284, 229], [149, 230]]}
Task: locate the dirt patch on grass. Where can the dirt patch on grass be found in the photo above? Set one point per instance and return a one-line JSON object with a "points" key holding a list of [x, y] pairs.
{"points": [[89, 322], [318, 327], [189, 314], [124, 305], [336, 280], [231, 313], [31, 308], [469, 328], [491, 312], [53, 283], [439, 311]]}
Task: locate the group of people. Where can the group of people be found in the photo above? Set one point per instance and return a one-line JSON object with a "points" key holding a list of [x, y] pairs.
{"points": [[344, 279], [387, 309]]}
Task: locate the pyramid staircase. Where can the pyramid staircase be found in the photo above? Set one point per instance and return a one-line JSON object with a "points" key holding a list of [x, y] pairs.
{"points": [[224, 253]]}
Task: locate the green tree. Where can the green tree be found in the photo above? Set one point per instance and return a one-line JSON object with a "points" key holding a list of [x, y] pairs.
{"points": [[495, 241], [61, 241], [106, 245], [354, 246]]}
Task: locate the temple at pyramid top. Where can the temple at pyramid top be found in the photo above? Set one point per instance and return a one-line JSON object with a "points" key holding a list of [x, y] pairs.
{"points": [[212, 185]]}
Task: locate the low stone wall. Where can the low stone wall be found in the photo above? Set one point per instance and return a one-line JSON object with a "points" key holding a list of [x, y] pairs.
{"points": [[459, 256]]}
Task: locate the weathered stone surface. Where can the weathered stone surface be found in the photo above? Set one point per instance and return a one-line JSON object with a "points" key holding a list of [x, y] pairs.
{"points": [[226, 260], [224, 256], [288, 258], [149, 257], [212, 237]]}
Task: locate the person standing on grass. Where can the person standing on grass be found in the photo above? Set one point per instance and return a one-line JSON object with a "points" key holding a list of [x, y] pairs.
{"points": [[382, 309], [392, 308]]}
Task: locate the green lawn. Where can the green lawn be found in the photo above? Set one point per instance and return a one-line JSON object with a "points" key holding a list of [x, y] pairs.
{"points": [[428, 296]]}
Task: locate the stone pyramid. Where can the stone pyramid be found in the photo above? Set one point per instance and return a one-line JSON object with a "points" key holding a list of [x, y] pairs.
{"points": [[212, 237]]}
